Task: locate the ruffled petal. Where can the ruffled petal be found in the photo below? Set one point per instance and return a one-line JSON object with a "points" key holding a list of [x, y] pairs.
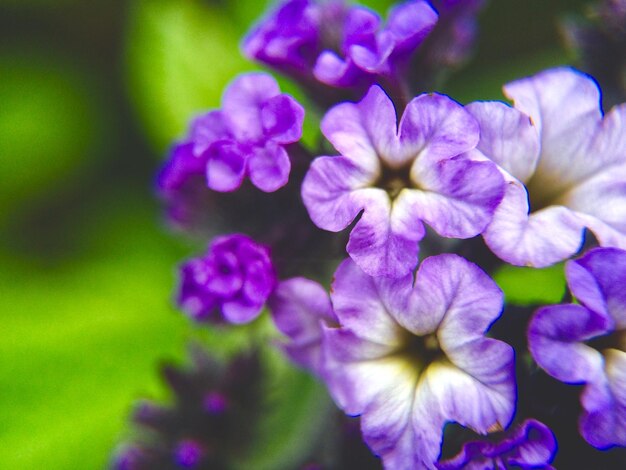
{"points": [[565, 106], [226, 166], [206, 129], [299, 307], [359, 307], [541, 239], [328, 192], [434, 127], [373, 243], [269, 167], [507, 137], [363, 131], [555, 336], [457, 197], [282, 119], [242, 101]]}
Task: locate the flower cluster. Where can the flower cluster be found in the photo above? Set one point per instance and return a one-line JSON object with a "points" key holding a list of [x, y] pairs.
{"points": [[409, 337]]}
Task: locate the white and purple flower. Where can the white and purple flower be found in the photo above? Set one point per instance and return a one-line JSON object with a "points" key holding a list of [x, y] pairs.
{"points": [[247, 137], [530, 445], [231, 283], [424, 169], [409, 357], [565, 164], [585, 343]]}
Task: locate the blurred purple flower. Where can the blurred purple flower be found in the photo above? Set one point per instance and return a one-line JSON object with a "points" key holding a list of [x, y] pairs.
{"points": [[341, 46], [565, 164], [530, 445], [230, 283], [423, 169], [410, 357], [586, 343], [300, 308]]}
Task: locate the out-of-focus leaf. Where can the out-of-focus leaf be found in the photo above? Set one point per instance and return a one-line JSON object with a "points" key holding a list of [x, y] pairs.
{"points": [[81, 340], [529, 286], [49, 123], [180, 57]]}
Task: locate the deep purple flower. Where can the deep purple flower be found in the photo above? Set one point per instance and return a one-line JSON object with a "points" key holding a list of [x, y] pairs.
{"points": [[230, 283], [565, 164], [424, 169], [247, 137], [342, 46], [530, 445], [300, 308], [410, 357], [586, 343]]}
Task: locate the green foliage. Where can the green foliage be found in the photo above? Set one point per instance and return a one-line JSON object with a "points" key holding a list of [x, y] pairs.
{"points": [[180, 57], [529, 286]]}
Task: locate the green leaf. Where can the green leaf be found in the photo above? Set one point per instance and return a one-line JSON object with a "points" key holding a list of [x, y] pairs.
{"points": [[180, 57], [529, 286]]}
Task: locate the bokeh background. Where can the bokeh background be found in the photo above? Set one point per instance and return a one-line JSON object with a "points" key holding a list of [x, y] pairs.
{"points": [[92, 93]]}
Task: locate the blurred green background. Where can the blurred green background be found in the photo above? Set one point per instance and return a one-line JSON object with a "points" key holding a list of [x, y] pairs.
{"points": [[92, 93]]}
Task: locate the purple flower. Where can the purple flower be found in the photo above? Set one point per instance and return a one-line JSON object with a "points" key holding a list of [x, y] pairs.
{"points": [[423, 169], [565, 167], [300, 307], [247, 137], [586, 343], [410, 357], [343, 46], [531, 445], [230, 283]]}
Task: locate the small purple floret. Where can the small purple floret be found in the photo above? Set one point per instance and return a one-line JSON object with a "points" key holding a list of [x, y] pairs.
{"points": [[585, 343], [246, 138], [215, 403], [531, 445], [343, 46], [188, 454], [230, 283]]}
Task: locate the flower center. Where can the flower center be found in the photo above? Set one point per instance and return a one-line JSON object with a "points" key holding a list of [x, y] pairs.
{"points": [[422, 349], [394, 180]]}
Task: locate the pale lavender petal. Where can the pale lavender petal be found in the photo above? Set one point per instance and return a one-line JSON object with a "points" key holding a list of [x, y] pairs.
{"points": [[457, 197], [299, 307], [434, 127], [282, 119], [226, 165], [601, 203], [358, 306], [373, 243], [555, 340], [336, 71], [242, 102], [206, 129], [541, 239], [363, 131], [507, 137], [374, 59], [597, 280], [328, 192], [269, 167], [564, 105]]}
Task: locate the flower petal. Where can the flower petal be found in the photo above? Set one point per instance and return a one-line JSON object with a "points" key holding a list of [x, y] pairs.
{"points": [[507, 137], [555, 336], [269, 167], [282, 119], [226, 166], [434, 127], [206, 129], [541, 239]]}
